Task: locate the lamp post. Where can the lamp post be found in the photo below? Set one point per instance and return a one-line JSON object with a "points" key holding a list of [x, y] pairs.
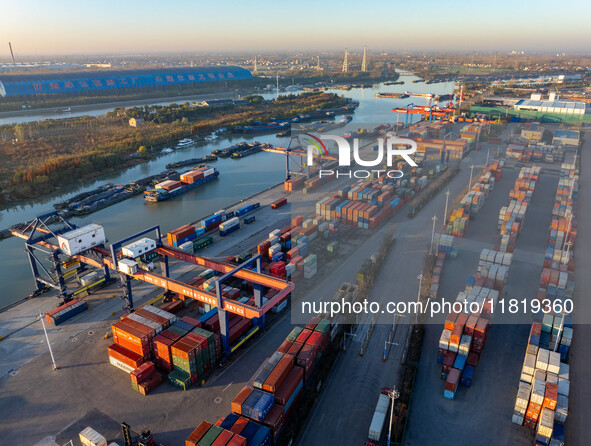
{"points": [[47, 339], [446, 201], [471, 172], [394, 395], [420, 277]]}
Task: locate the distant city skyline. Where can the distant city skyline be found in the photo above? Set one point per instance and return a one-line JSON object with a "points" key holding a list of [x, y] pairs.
{"points": [[38, 28]]}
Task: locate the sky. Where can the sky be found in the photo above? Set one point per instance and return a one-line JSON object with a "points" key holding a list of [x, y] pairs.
{"points": [[42, 27]]}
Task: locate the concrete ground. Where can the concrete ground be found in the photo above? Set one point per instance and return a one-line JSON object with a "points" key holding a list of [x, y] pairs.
{"points": [[484, 410]]}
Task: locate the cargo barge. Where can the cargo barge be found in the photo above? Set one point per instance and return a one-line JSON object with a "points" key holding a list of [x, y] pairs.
{"points": [[391, 95], [192, 161], [189, 180], [240, 150]]}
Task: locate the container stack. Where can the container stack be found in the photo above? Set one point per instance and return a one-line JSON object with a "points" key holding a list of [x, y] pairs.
{"points": [[261, 409], [543, 391], [151, 342], [182, 235], [208, 434], [66, 311], [293, 183]]}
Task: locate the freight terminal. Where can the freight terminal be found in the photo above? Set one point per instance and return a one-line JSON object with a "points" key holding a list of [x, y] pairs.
{"points": [[211, 269]]}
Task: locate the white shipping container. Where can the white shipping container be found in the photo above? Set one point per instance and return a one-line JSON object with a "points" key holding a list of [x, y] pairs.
{"points": [[554, 363], [81, 239], [376, 426], [465, 343], [444, 339], [537, 392], [517, 419], [546, 422], [208, 172], [120, 365], [158, 311], [529, 364], [551, 378], [567, 336], [542, 359], [523, 394], [127, 266], [230, 223], [90, 437], [187, 247], [275, 233]]}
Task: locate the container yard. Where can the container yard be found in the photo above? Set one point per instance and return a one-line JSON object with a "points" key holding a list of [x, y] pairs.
{"points": [[201, 321]]}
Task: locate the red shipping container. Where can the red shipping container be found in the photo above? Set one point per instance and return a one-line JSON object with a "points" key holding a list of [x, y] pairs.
{"points": [[142, 372], [448, 362], [472, 359], [289, 385], [240, 424], [315, 339], [278, 203], [297, 220], [550, 396], [173, 307], [170, 335], [197, 434], [189, 320], [150, 383], [295, 348], [237, 440], [285, 346], [126, 356], [303, 336], [278, 374], [223, 438], [275, 419], [239, 400], [471, 324], [481, 329], [456, 334], [533, 411], [453, 377]]}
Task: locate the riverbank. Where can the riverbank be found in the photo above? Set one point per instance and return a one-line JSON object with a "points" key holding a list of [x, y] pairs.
{"points": [[42, 157]]}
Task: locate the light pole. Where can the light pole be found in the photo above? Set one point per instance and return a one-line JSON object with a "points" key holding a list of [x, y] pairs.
{"points": [[559, 332], [394, 395], [471, 172], [420, 277], [445, 212], [487, 156], [434, 218], [568, 245], [48, 343], [570, 220]]}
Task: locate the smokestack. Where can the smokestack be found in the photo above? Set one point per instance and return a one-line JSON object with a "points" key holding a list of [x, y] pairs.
{"points": [[11, 53]]}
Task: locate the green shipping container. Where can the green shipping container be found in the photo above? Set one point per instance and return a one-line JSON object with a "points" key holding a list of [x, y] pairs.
{"points": [[294, 333], [211, 435], [179, 379], [202, 243]]}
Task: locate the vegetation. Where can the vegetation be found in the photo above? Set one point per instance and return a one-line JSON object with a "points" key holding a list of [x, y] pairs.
{"points": [[43, 156]]}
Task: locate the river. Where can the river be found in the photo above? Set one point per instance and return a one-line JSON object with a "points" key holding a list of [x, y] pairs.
{"points": [[238, 179]]}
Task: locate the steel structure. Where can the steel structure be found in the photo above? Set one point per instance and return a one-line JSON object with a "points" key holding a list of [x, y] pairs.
{"points": [[296, 147], [38, 236]]}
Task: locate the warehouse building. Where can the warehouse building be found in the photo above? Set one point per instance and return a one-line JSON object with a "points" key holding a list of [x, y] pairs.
{"points": [[104, 81], [552, 105]]}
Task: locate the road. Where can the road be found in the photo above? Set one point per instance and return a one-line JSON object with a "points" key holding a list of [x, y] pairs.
{"points": [[578, 430]]}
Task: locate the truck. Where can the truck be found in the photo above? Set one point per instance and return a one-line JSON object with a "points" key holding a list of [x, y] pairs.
{"points": [[379, 417]]}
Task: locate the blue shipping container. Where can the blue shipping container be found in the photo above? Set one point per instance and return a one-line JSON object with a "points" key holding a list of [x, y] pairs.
{"points": [[262, 437], [224, 233], [188, 238], [262, 406], [249, 220]]}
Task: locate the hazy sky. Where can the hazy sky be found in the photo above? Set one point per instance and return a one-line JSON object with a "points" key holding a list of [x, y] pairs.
{"points": [[39, 27]]}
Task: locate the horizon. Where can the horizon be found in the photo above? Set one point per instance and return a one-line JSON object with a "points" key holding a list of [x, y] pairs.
{"points": [[73, 29]]}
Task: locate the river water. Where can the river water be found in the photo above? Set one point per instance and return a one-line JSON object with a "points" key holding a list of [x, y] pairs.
{"points": [[238, 179]]}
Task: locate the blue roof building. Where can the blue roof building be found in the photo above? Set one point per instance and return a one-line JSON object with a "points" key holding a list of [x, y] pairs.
{"points": [[63, 83]]}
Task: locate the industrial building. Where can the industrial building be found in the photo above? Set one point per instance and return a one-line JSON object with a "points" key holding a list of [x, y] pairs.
{"points": [[566, 138], [102, 81], [533, 133], [552, 105]]}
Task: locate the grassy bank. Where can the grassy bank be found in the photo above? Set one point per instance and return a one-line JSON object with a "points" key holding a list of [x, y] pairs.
{"points": [[44, 156]]}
